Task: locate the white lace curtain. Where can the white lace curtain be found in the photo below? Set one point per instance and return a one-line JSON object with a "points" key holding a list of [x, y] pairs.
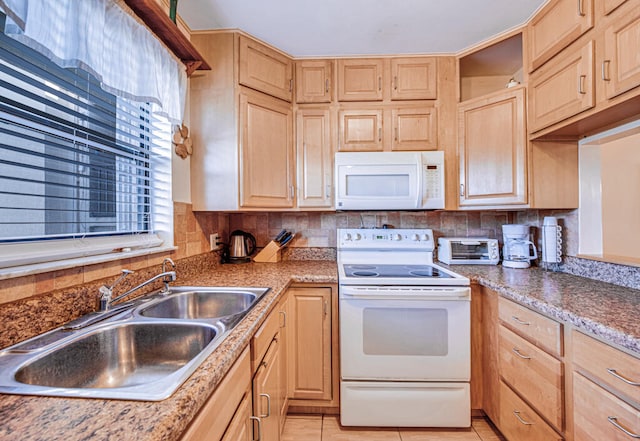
{"points": [[103, 38]]}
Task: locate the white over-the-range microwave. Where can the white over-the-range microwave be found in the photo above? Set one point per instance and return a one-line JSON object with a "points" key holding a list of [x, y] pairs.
{"points": [[389, 180]]}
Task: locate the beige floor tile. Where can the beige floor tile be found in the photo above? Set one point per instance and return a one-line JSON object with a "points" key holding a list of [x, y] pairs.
{"points": [[439, 434], [332, 431], [302, 428], [485, 430]]}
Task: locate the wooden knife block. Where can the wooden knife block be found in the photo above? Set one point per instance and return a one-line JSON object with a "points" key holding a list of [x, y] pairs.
{"points": [[270, 253]]}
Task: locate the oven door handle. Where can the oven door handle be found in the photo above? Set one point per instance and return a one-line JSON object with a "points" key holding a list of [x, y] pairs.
{"points": [[413, 293]]}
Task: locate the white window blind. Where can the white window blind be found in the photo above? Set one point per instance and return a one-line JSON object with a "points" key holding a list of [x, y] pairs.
{"points": [[75, 161]]}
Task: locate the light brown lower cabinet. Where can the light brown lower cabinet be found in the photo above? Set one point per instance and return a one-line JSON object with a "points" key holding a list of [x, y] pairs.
{"points": [[310, 344], [600, 415], [266, 402], [519, 422], [241, 426], [214, 417]]}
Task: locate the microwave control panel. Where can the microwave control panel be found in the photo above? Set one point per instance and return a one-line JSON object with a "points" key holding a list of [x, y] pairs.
{"points": [[432, 183]]}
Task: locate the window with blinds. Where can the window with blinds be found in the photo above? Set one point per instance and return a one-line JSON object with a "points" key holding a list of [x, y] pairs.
{"points": [[75, 161]]}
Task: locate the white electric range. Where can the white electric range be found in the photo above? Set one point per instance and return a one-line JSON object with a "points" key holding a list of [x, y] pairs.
{"points": [[404, 332]]}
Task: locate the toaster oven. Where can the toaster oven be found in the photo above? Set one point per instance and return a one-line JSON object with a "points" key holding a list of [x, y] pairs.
{"points": [[468, 251]]}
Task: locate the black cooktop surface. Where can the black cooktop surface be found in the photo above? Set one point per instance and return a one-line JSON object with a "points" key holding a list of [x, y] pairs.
{"points": [[404, 271]]}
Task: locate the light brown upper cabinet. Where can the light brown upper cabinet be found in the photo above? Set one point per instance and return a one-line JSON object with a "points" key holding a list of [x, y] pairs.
{"points": [[264, 69], [360, 79], [360, 130], [314, 158], [563, 88], [314, 81], [621, 64], [556, 26], [610, 5], [266, 152], [492, 144], [413, 78], [414, 128]]}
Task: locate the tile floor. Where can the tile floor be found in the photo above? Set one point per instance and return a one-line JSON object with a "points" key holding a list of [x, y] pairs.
{"points": [[327, 428]]}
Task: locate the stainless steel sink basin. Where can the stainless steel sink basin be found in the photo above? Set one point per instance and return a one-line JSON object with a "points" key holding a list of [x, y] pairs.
{"points": [[203, 303], [140, 361], [143, 352]]}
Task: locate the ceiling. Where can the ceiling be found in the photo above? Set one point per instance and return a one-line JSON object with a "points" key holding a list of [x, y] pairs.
{"points": [[323, 28]]}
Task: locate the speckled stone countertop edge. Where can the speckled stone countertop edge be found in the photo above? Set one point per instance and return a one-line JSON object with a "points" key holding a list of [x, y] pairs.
{"points": [[607, 333]]}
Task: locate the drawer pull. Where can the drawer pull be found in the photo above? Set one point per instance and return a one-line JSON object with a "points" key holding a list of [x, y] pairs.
{"points": [[268, 397], [520, 322], [259, 428], [614, 421], [517, 414], [620, 377], [519, 354]]}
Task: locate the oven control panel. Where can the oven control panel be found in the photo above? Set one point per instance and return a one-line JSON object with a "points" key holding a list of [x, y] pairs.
{"points": [[366, 238]]}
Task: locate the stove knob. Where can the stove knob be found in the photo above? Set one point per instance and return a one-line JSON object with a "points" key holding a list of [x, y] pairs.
{"points": [[347, 236], [425, 237], [358, 236], [415, 237], [396, 237]]}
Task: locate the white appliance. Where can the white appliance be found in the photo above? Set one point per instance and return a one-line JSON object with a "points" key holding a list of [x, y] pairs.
{"points": [[468, 251], [517, 249], [551, 241], [389, 180], [404, 332]]}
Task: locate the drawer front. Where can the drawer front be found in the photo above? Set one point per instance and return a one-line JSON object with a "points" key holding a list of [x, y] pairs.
{"points": [[536, 375], [599, 415], [535, 327], [263, 337], [519, 422], [607, 364]]}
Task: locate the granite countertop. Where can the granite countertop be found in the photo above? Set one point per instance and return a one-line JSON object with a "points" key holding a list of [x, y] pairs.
{"points": [[26, 418], [606, 310], [603, 309]]}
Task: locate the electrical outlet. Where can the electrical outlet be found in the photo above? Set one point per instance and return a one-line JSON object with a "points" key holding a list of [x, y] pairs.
{"points": [[214, 242]]}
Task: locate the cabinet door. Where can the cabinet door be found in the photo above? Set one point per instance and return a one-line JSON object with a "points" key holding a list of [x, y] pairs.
{"points": [[413, 78], [360, 130], [555, 27], [360, 79], [563, 88], [314, 158], [264, 69], [241, 426], [266, 152], [621, 66], [490, 354], [283, 357], [414, 129], [266, 385], [492, 142], [310, 357], [314, 81]]}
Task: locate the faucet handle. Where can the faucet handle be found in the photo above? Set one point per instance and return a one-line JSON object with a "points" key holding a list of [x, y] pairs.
{"points": [[106, 292]]}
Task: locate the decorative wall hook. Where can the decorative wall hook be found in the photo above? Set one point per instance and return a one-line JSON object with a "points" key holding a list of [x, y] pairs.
{"points": [[182, 141]]}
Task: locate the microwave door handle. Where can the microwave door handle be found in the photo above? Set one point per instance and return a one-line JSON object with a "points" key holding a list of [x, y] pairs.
{"points": [[469, 242]]}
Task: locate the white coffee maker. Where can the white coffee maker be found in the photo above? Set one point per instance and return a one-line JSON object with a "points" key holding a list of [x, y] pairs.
{"points": [[517, 249]]}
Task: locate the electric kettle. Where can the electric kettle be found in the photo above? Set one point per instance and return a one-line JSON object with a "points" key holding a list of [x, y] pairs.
{"points": [[241, 246]]}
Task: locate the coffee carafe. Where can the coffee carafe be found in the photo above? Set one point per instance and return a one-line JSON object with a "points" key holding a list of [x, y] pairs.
{"points": [[517, 249]]}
